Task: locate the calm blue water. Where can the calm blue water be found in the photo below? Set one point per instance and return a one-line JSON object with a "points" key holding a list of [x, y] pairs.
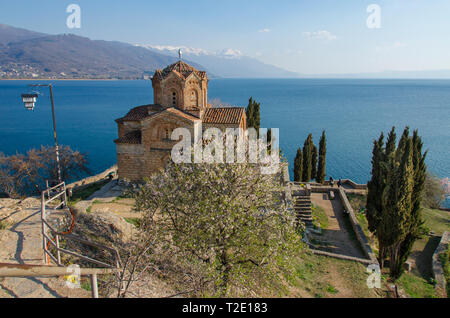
{"points": [[353, 112]]}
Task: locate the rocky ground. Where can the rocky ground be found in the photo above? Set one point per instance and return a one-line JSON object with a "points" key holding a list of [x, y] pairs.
{"points": [[101, 217], [21, 243]]}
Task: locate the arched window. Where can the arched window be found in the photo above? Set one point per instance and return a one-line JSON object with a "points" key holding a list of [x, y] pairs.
{"points": [[174, 98]]}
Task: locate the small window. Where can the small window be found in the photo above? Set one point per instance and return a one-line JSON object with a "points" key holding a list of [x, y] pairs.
{"points": [[166, 134], [174, 99]]}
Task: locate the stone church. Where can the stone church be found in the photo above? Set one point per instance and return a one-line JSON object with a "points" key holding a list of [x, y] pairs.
{"points": [[180, 95]]}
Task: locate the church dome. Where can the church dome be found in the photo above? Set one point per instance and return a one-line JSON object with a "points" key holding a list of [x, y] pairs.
{"points": [[181, 68]]}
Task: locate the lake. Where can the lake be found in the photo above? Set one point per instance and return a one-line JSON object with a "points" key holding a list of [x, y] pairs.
{"points": [[353, 113]]}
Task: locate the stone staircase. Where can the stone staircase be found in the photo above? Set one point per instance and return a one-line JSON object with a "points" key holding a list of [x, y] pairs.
{"points": [[303, 210]]}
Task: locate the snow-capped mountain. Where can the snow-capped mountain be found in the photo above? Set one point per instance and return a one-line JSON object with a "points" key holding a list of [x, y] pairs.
{"points": [[225, 63]]}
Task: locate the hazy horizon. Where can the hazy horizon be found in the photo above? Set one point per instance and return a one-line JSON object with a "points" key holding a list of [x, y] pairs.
{"points": [[313, 39]]}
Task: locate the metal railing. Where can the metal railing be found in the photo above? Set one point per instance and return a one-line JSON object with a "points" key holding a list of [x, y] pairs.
{"points": [[61, 192], [50, 236], [22, 270], [49, 195]]}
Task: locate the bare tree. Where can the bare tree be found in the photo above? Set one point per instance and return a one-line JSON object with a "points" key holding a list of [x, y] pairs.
{"points": [[217, 102], [434, 193], [14, 173], [73, 164], [22, 175]]}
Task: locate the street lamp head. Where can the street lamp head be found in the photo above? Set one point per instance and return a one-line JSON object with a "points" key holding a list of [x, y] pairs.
{"points": [[29, 100]]}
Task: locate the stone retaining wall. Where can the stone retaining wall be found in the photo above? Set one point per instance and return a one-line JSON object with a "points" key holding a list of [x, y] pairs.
{"points": [[344, 257], [353, 220], [357, 227], [92, 179], [350, 182], [438, 270]]}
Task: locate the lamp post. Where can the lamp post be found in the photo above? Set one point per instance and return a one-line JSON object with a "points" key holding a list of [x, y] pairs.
{"points": [[29, 100]]}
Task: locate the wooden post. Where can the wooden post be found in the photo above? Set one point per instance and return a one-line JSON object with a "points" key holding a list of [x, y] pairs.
{"points": [[44, 243], [57, 250], [94, 287]]}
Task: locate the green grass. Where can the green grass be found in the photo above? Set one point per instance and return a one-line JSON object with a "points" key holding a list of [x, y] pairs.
{"points": [[444, 258], [314, 276], [416, 287], [357, 201], [4, 225], [84, 193], [320, 216], [332, 290], [135, 221], [436, 220], [86, 284]]}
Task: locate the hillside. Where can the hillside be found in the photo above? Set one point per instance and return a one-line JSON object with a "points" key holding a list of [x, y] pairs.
{"points": [[228, 63], [26, 54]]}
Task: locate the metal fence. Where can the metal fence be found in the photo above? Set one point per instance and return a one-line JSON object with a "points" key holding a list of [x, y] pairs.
{"points": [[51, 236]]}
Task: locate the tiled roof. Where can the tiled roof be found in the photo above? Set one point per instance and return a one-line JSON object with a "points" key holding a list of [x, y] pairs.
{"points": [[223, 115], [140, 112], [182, 113], [132, 137], [181, 68]]}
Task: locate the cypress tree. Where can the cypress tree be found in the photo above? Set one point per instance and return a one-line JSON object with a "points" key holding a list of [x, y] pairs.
{"points": [[314, 163], [307, 159], [298, 165], [269, 140], [253, 115], [374, 207], [321, 169], [249, 112], [394, 197], [401, 208], [256, 116], [415, 222], [391, 141]]}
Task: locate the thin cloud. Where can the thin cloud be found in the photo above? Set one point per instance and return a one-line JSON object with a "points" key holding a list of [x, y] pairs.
{"points": [[264, 30], [320, 35], [390, 47]]}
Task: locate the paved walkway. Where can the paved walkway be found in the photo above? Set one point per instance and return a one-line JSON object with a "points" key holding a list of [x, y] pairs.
{"points": [[338, 237]]}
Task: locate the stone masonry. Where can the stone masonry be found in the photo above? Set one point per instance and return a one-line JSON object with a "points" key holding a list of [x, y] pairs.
{"points": [[180, 100]]}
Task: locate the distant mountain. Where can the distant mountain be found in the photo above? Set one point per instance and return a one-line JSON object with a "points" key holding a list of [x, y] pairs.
{"points": [[227, 63], [423, 74], [27, 54], [11, 34]]}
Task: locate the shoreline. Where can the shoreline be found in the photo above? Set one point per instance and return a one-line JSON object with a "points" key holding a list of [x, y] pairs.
{"points": [[68, 79]]}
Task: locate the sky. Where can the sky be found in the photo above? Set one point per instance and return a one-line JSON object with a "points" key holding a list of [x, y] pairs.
{"points": [[305, 36]]}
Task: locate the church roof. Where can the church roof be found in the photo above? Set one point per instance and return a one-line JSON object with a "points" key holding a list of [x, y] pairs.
{"points": [[181, 68], [223, 115], [132, 137], [140, 112]]}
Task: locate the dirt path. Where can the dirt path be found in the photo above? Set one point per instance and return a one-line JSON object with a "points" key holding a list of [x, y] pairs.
{"points": [[22, 244], [338, 237], [107, 199]]}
